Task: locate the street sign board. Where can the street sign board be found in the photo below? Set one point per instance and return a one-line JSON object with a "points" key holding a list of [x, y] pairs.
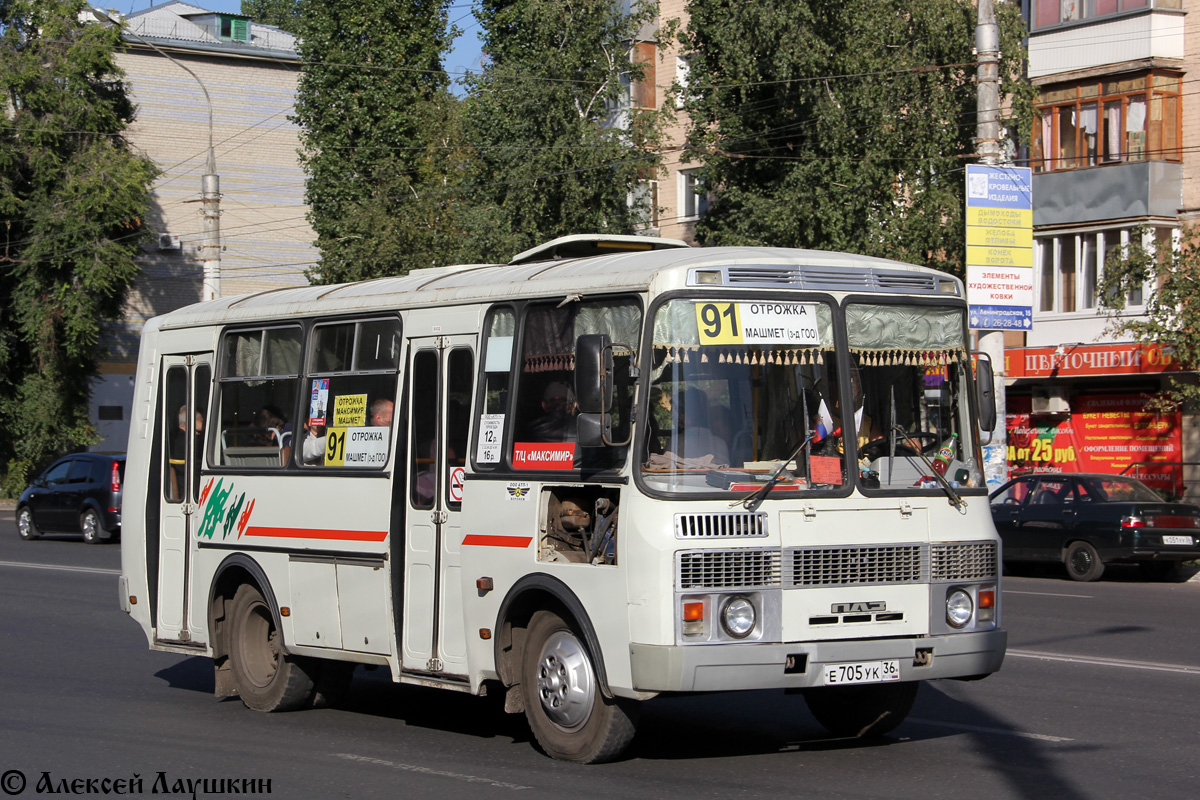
{"points": [[999, 247]]}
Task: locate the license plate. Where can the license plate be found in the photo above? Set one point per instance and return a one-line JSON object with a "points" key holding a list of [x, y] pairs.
{"points": [[863, 672], [1184, 540]]}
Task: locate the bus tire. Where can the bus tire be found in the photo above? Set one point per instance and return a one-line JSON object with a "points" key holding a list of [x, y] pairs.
{"points": [[267, 678], [863, 711], [1083, 562], [567, 712]]}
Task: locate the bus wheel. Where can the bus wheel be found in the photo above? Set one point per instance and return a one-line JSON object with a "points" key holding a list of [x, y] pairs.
{"points": [[267, 678], [569, 715], [865, 711]]}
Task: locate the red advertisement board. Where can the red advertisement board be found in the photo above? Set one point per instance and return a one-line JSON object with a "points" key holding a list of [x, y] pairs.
{"points": [[1103, 433]]}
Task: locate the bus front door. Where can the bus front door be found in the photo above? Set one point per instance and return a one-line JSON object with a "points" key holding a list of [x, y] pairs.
{"points": [[186, 383], [440, 380]]}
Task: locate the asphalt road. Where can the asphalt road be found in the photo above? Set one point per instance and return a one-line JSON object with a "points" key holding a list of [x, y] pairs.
{"points": [[1098, 698]]}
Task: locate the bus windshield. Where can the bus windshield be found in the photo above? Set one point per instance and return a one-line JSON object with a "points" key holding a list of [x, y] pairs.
{"points": [[745, 391]]}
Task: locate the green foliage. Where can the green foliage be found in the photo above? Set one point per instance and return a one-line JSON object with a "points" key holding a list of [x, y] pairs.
{"points": [[842, 126], [550, 155], [283, 14], [378, 125], [72, 202], [1172, 310]]}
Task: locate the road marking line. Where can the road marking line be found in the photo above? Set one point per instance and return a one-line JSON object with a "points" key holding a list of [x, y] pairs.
{"points": [[1050, 594], [458, 776], [96, 570], [1041, 737], [1107, 662]]}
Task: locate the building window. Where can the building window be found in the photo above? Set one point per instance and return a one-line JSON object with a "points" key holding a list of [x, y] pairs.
{"points": [[1108, 121], [235, 29], [693, 198], [644, 201], [1065, 12], [644, 91], [683, 66], [1070, 266]]}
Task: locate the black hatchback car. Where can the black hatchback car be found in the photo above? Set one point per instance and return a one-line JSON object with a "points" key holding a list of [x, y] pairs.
{"points": [[79, 493], [1088, 520]]}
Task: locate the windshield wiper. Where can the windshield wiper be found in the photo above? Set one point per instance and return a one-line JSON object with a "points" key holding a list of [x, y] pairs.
{"points": [[752, 501], [958, 502]]}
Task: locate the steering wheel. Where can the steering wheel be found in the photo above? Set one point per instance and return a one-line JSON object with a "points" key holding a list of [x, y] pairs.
{"points": [[878, 448]]}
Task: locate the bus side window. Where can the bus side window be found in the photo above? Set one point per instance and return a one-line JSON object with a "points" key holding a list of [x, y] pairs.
{"points": [[258, 391], [350, 386], [494, 388]]}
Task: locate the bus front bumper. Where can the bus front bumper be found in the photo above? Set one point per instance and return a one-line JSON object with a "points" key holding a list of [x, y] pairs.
{"points": [[727, 667]]}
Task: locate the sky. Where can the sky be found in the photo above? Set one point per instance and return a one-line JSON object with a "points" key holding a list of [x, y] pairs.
{"points": [[464, 55]]}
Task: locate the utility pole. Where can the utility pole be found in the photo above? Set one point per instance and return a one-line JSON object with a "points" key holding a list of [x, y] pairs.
{"points": [[210, 182], [987, 148]]}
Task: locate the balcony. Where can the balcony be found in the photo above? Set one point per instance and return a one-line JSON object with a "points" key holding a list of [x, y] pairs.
{"points": [[1120, 191]]}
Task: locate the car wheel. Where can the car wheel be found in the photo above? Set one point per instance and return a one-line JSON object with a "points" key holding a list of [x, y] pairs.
{"points": [[267, 678], [89, 525], [567, 712], [864, 711], [1083, 562], [25, 527]]}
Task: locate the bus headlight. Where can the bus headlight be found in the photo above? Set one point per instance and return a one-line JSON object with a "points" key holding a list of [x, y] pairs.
{"points": [[958, 608], [738, 617]]}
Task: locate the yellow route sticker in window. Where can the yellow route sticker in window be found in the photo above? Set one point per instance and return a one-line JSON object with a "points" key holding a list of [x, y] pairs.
{"points": [[335, 447], [350, 409], [758, 322]]}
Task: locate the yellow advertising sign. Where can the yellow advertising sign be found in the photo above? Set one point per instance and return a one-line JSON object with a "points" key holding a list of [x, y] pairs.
{"points": [[1000, 256], [999, 237], [1000, 217]]}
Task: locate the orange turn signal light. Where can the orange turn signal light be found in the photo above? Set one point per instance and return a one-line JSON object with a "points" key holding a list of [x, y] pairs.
{"points": [[987, 598], [693, 611]]}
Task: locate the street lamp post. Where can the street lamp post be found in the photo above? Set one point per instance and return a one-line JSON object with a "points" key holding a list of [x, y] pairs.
{"points": [[210, 182]]}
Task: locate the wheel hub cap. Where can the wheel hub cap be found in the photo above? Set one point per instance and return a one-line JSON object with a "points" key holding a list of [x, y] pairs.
{"points": [[565, 682]]}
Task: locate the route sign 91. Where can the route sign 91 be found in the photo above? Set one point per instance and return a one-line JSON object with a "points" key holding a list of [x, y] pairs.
{"points": [[758, 322]]}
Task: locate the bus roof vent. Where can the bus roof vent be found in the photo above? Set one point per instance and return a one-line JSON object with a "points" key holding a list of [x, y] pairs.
{"points": [[841, 279], [584, 245]]}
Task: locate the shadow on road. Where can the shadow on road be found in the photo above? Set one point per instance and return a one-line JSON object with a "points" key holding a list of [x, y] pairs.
{"points": [[684, 728]]}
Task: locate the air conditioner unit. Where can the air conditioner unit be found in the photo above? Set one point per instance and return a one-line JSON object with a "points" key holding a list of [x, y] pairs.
{"points": [[169, 241], [1050, 401]]}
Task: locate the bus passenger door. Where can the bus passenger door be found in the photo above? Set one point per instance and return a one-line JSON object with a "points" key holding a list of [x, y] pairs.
{"points": [[440, 380], [186, 382]]}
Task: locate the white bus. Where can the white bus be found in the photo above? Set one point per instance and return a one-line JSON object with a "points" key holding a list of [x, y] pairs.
{"points": [[612, 468]]}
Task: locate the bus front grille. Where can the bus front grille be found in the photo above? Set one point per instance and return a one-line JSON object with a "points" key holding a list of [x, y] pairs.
{"points": [[728, 569], [855, 566], [964, 561]]}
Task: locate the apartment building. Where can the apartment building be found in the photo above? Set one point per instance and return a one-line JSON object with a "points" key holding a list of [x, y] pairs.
{"points": [[1112, 148], [173, 53]]}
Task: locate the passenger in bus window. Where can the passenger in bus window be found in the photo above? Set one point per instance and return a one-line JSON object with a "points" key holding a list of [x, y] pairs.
{"points": [[696, 425], [312, 449], [557, 422], [276, 431], [178, 449]]}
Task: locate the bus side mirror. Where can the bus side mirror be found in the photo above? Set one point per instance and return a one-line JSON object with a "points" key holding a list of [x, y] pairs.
{"points": [[594, 373], [985, 382]]}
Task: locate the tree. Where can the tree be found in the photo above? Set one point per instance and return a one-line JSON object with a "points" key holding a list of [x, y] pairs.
{"points": [[841, 126], [555, 150], [373, 106], [283, 14], [73, 200], [1172, 308]]}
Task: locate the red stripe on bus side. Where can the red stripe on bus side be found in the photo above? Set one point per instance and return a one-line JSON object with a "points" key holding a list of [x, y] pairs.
{"points": [[312, 533], [498, 541]]}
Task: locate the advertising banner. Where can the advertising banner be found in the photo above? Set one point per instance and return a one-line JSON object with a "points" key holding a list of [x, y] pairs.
{"points": [[999, 247], [1103, 433]]}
